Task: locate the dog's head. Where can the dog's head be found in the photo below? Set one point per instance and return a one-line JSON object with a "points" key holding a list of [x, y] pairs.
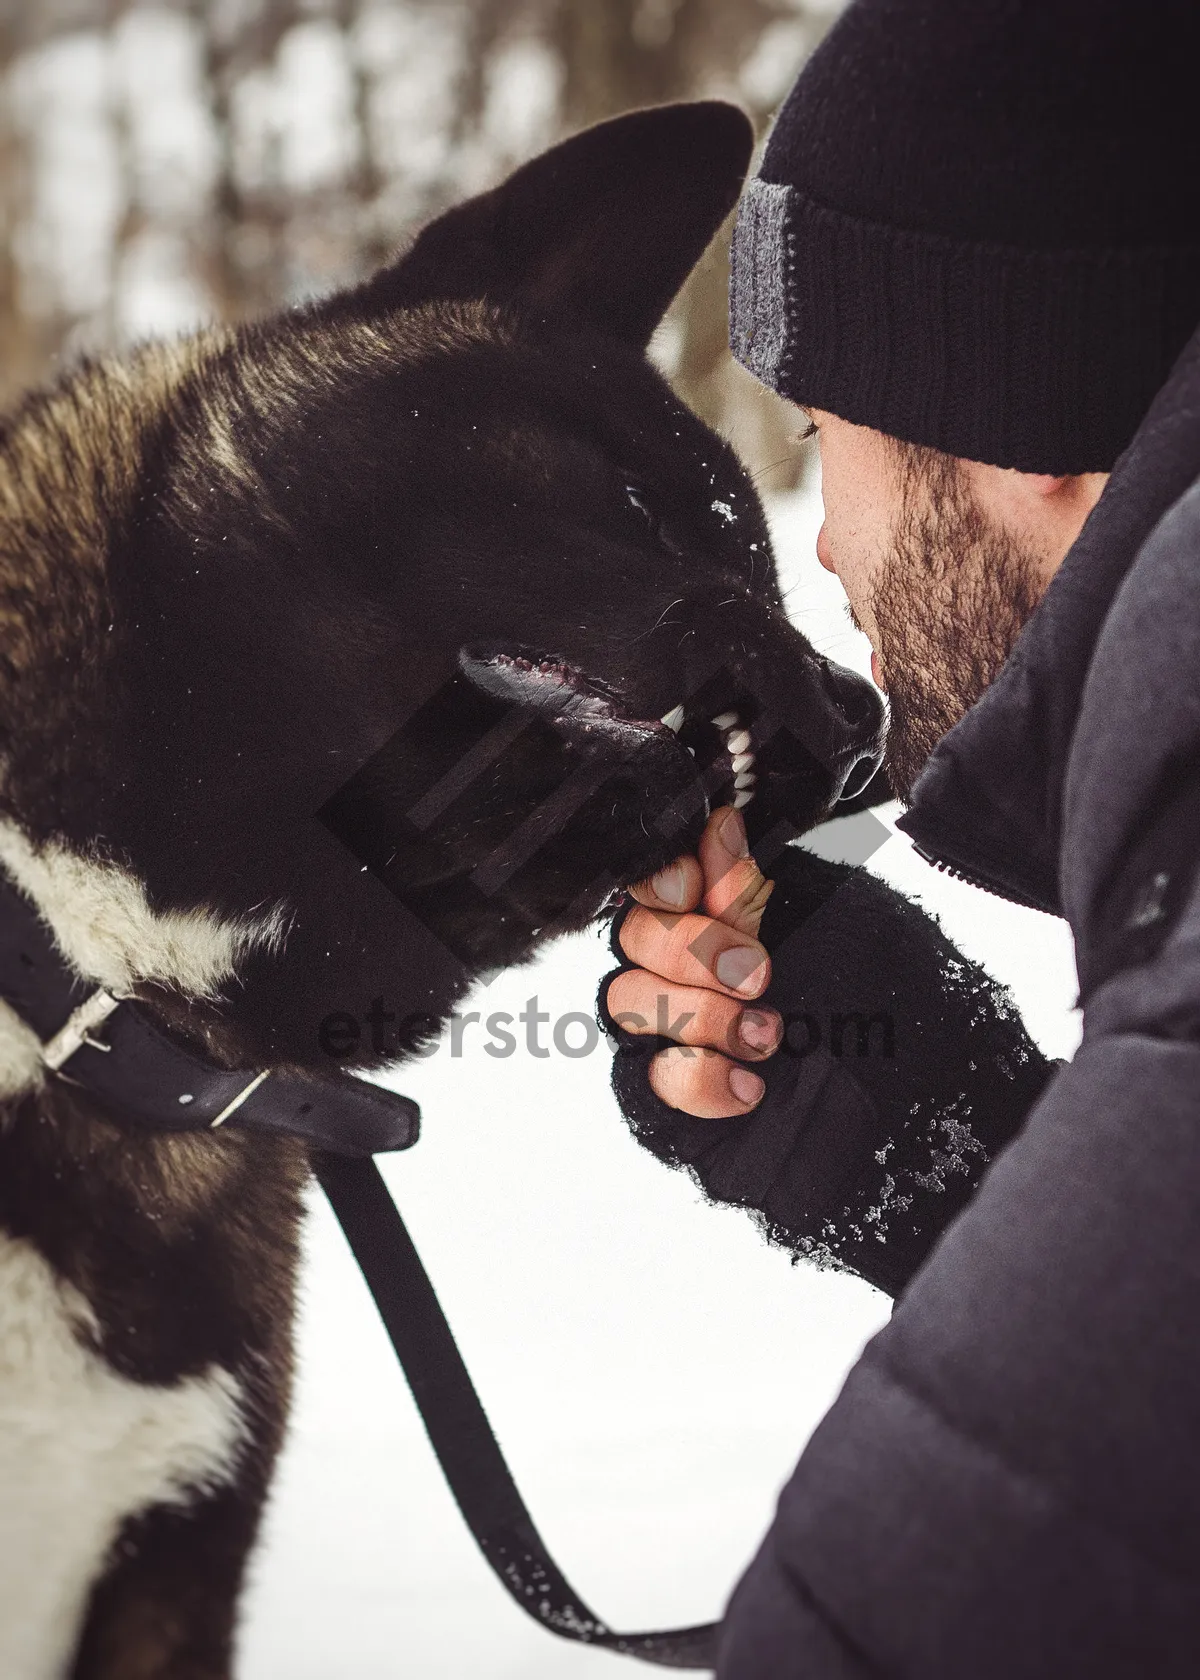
{"points": [[437, 615]]}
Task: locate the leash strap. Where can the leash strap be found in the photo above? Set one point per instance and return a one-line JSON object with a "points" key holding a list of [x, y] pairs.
{"points": [[459, 1431]]}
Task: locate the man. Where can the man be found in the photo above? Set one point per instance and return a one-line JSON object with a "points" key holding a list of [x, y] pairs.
{"points": [[972, 256]]}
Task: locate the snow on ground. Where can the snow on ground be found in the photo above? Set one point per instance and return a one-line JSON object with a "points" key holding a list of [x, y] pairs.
{"points": [[651, 1367]]}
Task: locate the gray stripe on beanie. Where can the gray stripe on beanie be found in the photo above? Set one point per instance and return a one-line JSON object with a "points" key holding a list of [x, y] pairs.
{"points": [[758, 325]]}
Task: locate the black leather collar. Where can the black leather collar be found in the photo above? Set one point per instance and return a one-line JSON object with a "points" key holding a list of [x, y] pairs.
{"points": [[117, 1052]]}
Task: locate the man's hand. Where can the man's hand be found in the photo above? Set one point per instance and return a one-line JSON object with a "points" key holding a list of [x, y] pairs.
{"points": [[693, 936]]}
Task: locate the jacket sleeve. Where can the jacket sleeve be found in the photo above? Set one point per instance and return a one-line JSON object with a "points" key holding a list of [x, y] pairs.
{"points": [[903, 1072], [1007, 1482]]}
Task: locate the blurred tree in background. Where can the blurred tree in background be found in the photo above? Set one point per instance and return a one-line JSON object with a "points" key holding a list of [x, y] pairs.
{"points": [[164, 164]]}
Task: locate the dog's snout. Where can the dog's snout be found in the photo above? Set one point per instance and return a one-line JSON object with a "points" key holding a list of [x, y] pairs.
{"points": [[859, 710], [859, 774], [854, 698]]}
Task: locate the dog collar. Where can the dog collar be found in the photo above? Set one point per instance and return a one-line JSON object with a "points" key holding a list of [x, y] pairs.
{"points": [[115, 1050]]}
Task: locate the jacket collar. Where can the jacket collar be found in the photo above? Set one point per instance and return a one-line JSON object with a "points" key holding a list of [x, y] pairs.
{"points": [[989, 804]]}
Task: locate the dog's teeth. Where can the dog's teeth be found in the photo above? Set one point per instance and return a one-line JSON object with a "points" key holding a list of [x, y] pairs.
{"points": [[737, 741], [726, 720], [674, 719], [747, 779], [743, 761], [692, 750], [742, 798]]}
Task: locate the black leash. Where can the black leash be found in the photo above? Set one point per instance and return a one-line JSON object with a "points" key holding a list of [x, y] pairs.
{"points": [[459, 1431]]}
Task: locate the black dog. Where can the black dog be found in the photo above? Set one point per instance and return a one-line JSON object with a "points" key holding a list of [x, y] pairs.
{"points": [[351, 653]]}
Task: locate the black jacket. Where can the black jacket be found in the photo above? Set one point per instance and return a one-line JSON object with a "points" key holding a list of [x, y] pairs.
{"points": [[1009, 1483]]}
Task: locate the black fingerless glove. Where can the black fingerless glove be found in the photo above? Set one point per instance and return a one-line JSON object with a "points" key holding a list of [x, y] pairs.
{"points": [[904, 1070]]}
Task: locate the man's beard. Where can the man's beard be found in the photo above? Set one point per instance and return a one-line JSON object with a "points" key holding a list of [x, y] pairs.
{"points": [[949, 603]]}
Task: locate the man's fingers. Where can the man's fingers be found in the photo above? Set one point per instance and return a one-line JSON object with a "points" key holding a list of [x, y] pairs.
{"points": [[735, 888], [677, 887], [692, 1015], [692, 950], [694, 973], [704, 1084]]}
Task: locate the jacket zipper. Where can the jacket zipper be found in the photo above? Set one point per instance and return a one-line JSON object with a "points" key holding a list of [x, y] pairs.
{"points": [[983, 882]]}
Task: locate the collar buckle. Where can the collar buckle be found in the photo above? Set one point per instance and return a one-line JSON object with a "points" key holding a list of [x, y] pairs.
{"points": [[79, 1029]]}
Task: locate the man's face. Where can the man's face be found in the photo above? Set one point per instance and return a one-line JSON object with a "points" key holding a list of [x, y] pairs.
{"points": [[942, 561]]}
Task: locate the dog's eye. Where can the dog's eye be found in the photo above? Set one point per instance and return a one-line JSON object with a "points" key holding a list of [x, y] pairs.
{"points": [[638, 498]]}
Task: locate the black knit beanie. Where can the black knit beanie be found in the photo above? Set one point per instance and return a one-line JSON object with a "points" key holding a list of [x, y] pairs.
{"points": [[977, 225]]}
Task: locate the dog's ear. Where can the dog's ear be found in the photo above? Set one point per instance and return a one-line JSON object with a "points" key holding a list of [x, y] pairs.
{"points": [[600, 231]]}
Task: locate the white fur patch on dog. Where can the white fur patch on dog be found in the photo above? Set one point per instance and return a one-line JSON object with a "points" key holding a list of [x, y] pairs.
{"points": [[81, 1449], [109, 933], [21, 1066]]}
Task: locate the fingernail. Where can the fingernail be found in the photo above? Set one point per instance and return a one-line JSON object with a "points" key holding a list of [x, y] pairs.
{"points": [[760, 1032], [747, 1087], [733, 835], [669, 884], [740, 968]]}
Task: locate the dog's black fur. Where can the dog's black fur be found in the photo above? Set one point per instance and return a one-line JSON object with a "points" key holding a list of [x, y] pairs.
{"points": [[265, 593]]}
